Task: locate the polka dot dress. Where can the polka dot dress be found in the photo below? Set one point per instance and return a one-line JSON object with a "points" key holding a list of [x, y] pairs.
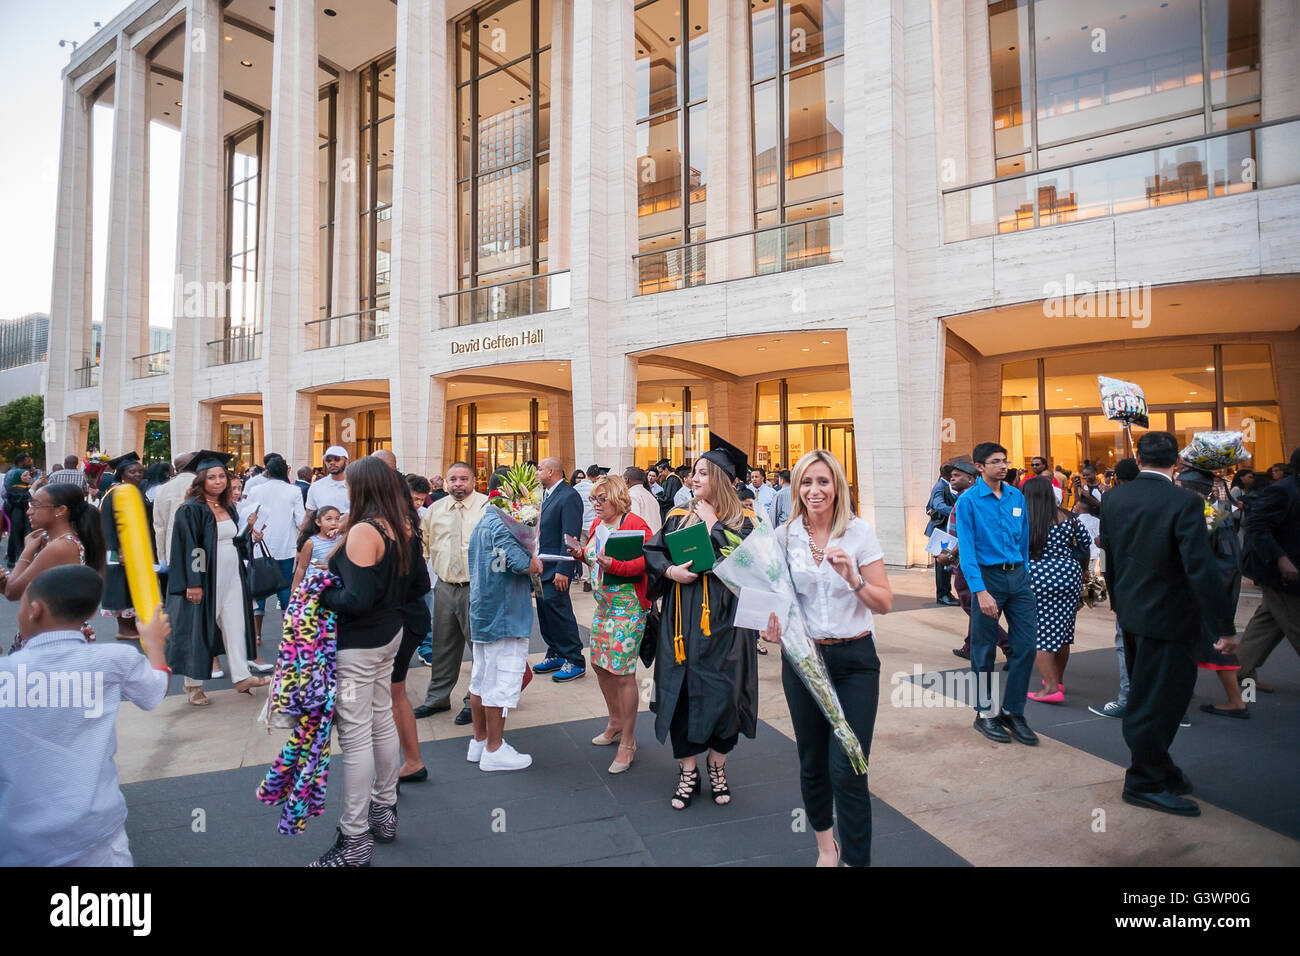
{"points": [[1057, 581]]}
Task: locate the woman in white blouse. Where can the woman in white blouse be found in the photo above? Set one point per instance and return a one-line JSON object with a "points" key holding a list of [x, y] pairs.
{"points": [[838, 569]]}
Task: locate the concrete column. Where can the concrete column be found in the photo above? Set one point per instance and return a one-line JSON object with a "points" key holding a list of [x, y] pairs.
{"points": [[604, 218], [730, 195], [70, 290], [288, 302], [126, 298], [439, 454], [346, 296], [200, 224], [558, 211], [875, 233], [421, 153]]}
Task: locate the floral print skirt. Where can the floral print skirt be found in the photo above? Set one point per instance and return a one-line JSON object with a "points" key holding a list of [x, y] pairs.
{"points": [[616, 629]]}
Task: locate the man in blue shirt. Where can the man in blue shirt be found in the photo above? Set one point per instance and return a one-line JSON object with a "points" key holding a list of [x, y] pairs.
{"points": [[993, 528]]}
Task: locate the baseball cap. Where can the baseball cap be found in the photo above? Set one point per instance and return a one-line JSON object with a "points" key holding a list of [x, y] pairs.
{"points": [[336, 451]]}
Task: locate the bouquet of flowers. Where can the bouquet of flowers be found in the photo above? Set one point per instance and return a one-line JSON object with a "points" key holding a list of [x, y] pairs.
{"points": [[96, 461], [520, 499], [759, 562]]}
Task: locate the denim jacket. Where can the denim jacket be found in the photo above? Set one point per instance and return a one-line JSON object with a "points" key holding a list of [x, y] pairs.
{"points": [[500, 594]]}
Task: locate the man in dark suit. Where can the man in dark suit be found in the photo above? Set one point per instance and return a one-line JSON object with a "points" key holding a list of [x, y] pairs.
{"points": [[1271, 557], [1165, 588], [561, 515], [939, 507]]}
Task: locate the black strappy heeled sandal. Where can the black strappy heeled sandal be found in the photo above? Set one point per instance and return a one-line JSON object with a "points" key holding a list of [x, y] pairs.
{"points": [[718, 781], [688, 784]]}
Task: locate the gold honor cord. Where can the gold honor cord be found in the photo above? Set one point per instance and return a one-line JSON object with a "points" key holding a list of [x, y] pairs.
{"points": [[679, 648]]}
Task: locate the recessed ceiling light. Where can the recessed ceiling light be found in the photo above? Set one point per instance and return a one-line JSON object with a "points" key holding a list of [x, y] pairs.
{"points": [[1069, 398], [178, 102], [245, 62], [229, 38], [1191, 393], [1174, 305], [1060, 389], [165, 113], [805, 350], [158, 83], [1209, 368], [762, 348], [329, 13], [826, 341]]}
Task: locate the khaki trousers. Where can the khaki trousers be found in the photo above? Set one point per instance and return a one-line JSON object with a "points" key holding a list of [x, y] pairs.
{"points": [[363, 715]]}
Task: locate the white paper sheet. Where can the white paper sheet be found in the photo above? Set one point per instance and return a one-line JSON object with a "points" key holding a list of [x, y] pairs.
{"points": [[754, 606], [939, 540]]}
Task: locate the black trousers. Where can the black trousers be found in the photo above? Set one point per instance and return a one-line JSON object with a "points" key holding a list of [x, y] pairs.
{"points": [[558, 625], [1161, 679], [829, 785], [942, 581]]}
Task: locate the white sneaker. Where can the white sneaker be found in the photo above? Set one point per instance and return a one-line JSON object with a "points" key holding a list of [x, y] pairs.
{"points": [[505, 758], [218, 674], [475, 749]]}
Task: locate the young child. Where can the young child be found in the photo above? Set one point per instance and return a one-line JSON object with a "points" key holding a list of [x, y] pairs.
{"points": [[316, 541], [60, 803]]}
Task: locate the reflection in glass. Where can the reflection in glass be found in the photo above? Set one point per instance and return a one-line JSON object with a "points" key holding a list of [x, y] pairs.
{"points": [[1009, 63], [814, 29], [1233, 39], [1019, 435]]}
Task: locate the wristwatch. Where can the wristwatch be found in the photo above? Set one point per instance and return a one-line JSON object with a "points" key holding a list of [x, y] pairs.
{"points": [[862, 583]]}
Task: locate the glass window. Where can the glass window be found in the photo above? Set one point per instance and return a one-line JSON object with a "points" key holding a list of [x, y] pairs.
{"points": [[378, 83], [672, 144], [768, 452], [1111, 64], [1261, 428], [1020, 386], [1009, 63], [1248, 374], [1233, 39], [1168, 375], [1065, 432], [243, 192], [769, 401], [1105, 442], [326, 163], [502, 172], [1019, 435], [798, 123]]}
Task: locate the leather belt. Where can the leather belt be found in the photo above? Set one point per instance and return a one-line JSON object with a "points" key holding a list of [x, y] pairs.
{"points": [[1002, 567], [454, 584], [840, 640]]}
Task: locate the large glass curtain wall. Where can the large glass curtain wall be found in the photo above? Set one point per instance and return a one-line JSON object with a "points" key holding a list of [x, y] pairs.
{"points": [[378, 83], [672, 85], [1074, 82], [797, 89], [503, 84]]}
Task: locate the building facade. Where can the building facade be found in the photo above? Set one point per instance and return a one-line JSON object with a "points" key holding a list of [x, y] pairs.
{"points": [[599, 229]]}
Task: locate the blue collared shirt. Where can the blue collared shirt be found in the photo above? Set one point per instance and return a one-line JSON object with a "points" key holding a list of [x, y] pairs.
{"points": [[991, 530], [500, 592], [59, 794]]}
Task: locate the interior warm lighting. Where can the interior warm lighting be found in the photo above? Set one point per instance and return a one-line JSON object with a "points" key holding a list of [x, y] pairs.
{"points": [[245, 62]]}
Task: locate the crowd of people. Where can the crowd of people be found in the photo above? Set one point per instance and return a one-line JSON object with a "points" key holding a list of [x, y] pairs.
{"points": [[417, 570], [1167, 543]]}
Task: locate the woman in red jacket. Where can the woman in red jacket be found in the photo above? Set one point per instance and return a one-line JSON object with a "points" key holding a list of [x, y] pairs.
{"points": [[619, 621]]}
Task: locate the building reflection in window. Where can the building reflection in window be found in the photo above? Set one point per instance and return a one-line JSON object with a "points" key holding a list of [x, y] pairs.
{"points": [[378, 99], [243, 205], [794, 415], [501, 431]]}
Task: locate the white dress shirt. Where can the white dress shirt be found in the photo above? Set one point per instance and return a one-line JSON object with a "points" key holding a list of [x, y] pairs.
{"points": [[59, 793], [280, 513], [829, 606], [646, 507]]}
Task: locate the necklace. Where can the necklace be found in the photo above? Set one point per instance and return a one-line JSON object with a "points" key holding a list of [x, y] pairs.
{"points": [[817, 553]]}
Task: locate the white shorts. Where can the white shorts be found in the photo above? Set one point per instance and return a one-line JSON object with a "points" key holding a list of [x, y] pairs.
{"points": [[498, 672]]}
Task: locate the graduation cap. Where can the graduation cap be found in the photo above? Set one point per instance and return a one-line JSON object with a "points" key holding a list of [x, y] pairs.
{"points": [[117, 463], [726, 456], [205, 459]]}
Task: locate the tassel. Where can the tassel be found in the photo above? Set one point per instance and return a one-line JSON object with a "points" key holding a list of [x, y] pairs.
{"points": [[704, 614], [679, 648]]}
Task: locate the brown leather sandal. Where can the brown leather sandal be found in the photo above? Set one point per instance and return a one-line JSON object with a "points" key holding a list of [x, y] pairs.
{"points": [[246, 685], [197, 697]]}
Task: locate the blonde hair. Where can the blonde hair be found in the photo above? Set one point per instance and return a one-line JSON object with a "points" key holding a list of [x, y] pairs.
{"points": [[726, 503], [618, 493], [843, 512]]}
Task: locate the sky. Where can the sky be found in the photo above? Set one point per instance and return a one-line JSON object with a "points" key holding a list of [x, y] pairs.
{"points": [[31, 93]]}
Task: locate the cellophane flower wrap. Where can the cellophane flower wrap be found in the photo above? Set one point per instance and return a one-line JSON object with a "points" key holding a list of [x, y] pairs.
{"points": [[519, 499], [758, 562]]}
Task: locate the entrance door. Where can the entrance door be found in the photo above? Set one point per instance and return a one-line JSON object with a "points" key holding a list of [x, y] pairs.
{"points": [[838, 440]]}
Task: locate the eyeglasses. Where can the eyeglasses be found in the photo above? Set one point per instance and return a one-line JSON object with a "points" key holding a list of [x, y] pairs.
{"points": [[599, 501]]}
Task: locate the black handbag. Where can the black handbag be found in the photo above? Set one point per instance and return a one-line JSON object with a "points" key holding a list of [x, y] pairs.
{"points": [[264, 574], [650, 636]]}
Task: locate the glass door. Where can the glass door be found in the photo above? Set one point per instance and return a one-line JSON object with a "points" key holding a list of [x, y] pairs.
{"points": [[1065, 438], [838, 440]]}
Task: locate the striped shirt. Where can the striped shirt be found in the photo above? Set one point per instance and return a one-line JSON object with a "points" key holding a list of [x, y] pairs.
{"points": [[69, 476]]}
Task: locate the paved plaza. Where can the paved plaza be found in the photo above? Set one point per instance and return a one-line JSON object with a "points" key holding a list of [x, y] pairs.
{"points": [[944, 796]]}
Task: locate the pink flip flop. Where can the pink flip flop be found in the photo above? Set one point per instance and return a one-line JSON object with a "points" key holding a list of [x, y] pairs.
{"points": [[1056, 698]]}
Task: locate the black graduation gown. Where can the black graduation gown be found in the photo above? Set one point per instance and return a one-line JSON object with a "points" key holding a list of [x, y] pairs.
{"points": [[196, 639], [720, 674], [672, 484], [117, 594]]}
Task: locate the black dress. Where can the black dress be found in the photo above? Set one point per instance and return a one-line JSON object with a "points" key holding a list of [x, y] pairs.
{"points": [[710, 698], [196, 639], [117, 594]]}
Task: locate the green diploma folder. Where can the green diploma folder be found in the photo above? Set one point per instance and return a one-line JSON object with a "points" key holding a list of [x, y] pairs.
{"points": [[622, 546], [691, 544]]}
